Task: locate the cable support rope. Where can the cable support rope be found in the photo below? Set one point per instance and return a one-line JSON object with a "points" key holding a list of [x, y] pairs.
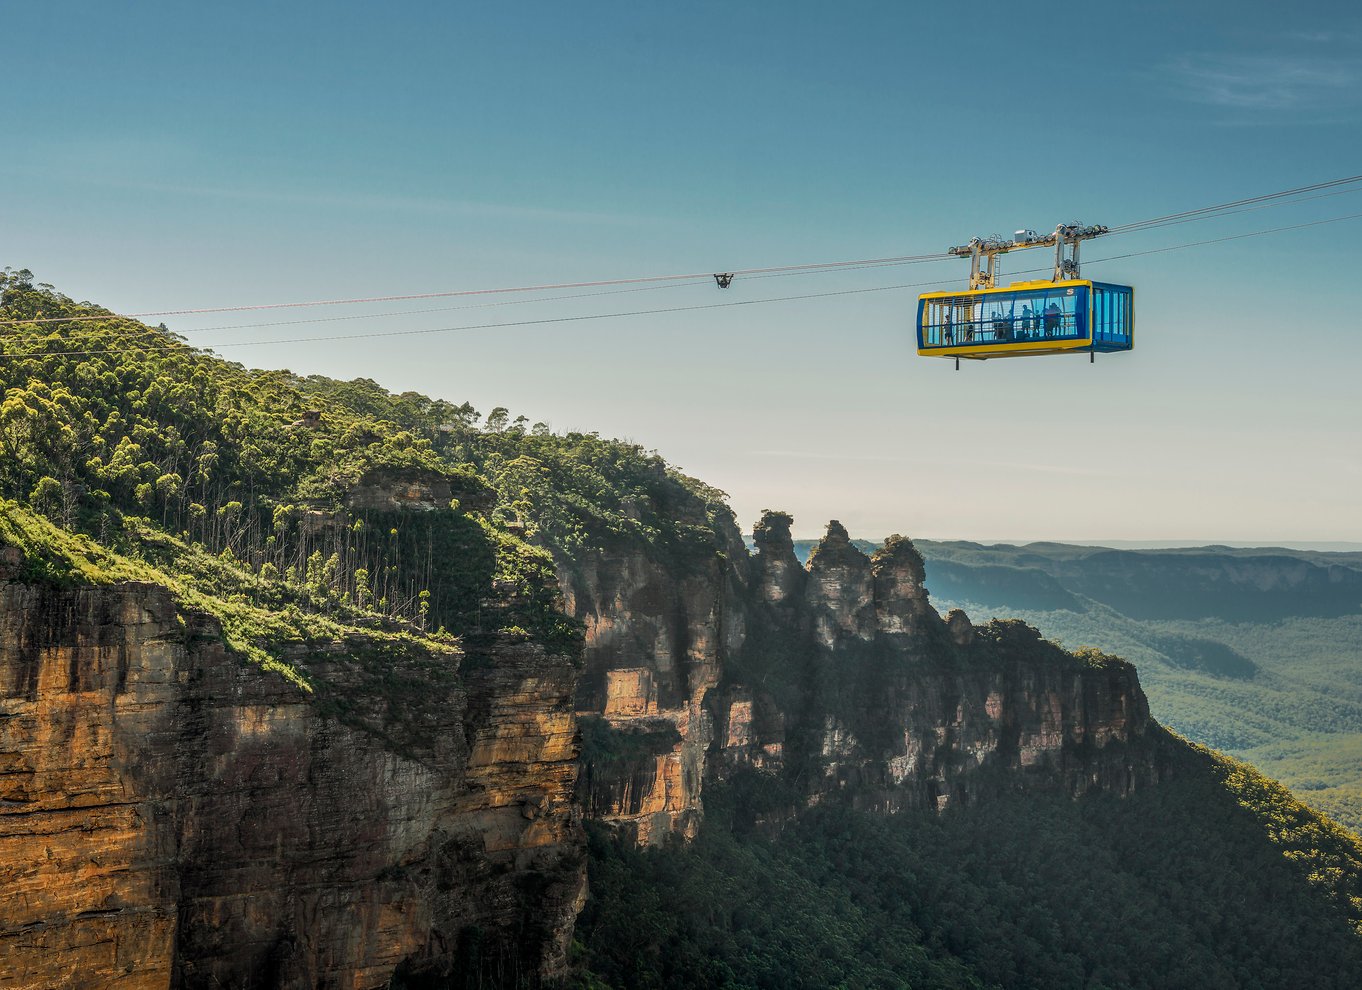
{"points": [[1184, 247], [482, 326], [746, 272], [1230, 237], [1160, 221], [1209, 212], [154, 331], [1214, 240], [1246, 209], [654, 312], [503, 302], [439, 309]]}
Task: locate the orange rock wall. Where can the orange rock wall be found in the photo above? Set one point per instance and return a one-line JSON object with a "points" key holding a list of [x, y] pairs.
{"points": [[171, 815], [838, 674]]}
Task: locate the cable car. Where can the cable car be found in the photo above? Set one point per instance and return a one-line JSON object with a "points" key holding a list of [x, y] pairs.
{"points": [[1059, 315]]}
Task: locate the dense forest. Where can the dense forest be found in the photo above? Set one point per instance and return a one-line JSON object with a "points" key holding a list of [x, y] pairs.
{"points": [[1194, 883]]}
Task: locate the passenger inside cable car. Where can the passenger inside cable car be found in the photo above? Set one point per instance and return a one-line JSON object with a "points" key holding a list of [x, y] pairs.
{"points": [[1034, 317]]}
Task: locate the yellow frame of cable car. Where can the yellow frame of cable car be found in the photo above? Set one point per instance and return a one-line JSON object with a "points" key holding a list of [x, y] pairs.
{"points": [[1020, 348]]}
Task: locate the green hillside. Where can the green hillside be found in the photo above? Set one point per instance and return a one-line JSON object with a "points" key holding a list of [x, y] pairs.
{"points": [[129, 453]]}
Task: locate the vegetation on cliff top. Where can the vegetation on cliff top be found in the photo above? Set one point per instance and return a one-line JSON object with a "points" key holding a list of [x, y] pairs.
{"points": [[245, 490]]}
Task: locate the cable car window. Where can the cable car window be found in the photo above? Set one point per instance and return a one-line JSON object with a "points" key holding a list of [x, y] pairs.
{"points": [[1113, 322], [1052, 312]]}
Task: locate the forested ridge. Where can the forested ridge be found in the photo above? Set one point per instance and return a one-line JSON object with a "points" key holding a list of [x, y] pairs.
{"points": [[238, 486], [1252, 651]]}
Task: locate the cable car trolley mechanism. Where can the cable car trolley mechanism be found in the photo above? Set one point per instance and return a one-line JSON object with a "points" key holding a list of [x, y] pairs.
{"points": [[1059, 315]]}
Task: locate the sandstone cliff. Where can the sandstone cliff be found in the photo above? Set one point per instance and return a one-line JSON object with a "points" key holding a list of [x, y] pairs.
{"points": [[839, 679], [172, 815], [659, 629]]}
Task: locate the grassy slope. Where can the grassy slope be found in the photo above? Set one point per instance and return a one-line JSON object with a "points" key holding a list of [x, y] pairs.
{"points": [[392, 673]]}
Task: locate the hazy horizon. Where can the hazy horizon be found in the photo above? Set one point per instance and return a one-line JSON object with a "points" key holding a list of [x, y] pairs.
{"points": [[1306, 545]]}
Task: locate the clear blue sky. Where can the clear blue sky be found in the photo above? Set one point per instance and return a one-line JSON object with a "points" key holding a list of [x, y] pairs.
{"points": [[166, 155]]}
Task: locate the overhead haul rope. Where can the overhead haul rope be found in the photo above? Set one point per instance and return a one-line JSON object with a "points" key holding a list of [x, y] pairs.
{"points": [[505, 302], [1230, 237], [166, 345], [1230, 213], [1192, 244], [153, 331], [1179, 217], [705, 276], [156, 332], [445, 309], [483, 326], [1282, 197]]}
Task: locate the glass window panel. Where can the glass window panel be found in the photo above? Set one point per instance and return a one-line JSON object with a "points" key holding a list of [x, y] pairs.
{"points": [[1070, 312]]}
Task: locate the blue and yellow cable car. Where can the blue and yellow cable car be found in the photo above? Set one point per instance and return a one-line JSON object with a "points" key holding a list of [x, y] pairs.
{"points": [[1055, 316], [1027, 318]]}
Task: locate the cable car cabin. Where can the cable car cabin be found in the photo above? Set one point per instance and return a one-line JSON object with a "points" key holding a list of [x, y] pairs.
{"points": [[1026, 318]]}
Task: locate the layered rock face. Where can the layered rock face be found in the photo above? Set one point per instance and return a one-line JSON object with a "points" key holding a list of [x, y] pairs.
{"points": [[171, 815], [894, 706], [841, 678], [415, 489], [657, 635]]}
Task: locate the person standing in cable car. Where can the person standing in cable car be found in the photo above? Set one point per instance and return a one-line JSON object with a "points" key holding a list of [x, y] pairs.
{"points": [[1052, 320], [1002, 326]]}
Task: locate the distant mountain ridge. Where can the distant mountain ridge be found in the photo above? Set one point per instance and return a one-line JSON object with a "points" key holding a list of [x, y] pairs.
{"points": [[1214, 582], [1234, 584]]}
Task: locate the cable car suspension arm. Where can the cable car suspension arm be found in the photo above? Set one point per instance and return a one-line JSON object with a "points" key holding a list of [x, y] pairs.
{"points": [[983, 252]]}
